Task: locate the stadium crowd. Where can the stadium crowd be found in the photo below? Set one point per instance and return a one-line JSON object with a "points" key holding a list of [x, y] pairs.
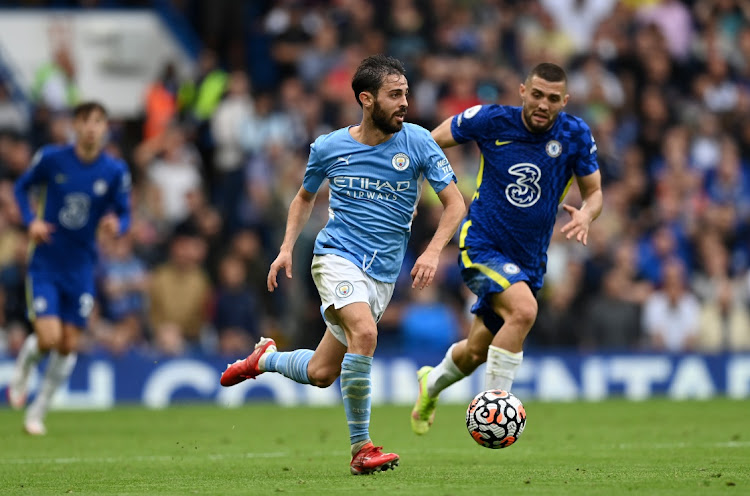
{"points": [[216, 159]]}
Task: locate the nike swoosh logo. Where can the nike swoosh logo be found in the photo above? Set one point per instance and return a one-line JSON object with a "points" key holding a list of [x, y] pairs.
{"points": [[501, 143]]}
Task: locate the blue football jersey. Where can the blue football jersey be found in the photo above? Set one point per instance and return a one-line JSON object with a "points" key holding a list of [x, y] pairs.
{"points": [[522, 179], [73, 196], [373, 193]]}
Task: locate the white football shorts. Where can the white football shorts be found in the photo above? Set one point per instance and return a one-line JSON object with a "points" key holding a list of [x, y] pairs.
{"points": [[340, 283]]}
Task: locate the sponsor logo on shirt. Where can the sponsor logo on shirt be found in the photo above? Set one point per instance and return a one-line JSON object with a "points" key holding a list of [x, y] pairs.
{"points": [[373, 189]]}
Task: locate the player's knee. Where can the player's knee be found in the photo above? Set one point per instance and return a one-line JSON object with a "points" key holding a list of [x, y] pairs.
{"points": [[66, 348], [323, 376], [524, 314], [48, 340], [475, 356], [365, 336]]}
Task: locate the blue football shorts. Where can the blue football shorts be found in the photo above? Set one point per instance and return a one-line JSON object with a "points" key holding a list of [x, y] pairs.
{"points": [[67, 296], [487, 271]]}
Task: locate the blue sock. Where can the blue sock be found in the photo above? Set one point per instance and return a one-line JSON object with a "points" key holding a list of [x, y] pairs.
{"points": [[356, 392], [291, 364]]}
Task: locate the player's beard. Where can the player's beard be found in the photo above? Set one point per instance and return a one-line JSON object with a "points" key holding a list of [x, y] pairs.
{"points": [[383, 121], [528, 115]]}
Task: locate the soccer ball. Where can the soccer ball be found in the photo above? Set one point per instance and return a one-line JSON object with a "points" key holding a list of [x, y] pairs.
{"points": [[495, 418]]}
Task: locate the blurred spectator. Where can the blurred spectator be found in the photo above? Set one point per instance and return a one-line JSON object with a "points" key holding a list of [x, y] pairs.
{"points": [[671, 313], [172, 167], [321, 56], [235, 111], [205, 222], [179, 296], [199, 97], [595, 85], [13, 323], [54, 85], [579, 18], [426, 323], [673, 18], [13, 118], [161, 102], [15, 156], [123, 286], [291, 29], [236, 309], [612, 321], [558, 323], [724, 320]]}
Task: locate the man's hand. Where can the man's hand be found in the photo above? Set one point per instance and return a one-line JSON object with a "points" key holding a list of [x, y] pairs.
{"points": [[578, 225], [40, 231], [284, 260], [424, 269], [110, 225]]}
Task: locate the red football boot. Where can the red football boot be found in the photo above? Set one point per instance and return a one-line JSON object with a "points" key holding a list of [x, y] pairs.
{"points": [[371, 459], [248, 368]]}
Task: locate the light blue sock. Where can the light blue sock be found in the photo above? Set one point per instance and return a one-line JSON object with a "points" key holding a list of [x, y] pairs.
{"points": [[291, 364], [356, 392]]}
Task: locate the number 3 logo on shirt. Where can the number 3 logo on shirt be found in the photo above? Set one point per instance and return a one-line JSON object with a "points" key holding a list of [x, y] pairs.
{"points": [[525, 192], [75, 212]]}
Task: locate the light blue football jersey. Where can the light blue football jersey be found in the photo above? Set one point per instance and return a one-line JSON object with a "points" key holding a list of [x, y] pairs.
{"points": [[373, 193]]}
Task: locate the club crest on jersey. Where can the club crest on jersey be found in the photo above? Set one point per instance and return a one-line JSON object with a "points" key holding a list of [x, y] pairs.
{"points": [[40, 304], [553, 148], [511, 269], [100, 187], [400, 161], [344, 289]]}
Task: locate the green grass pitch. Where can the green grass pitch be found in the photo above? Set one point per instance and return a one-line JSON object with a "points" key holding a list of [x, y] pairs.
{"points": [[611, 448]]}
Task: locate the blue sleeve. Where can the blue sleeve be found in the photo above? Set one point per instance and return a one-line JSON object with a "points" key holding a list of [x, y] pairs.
{"points": [[586, 162], [36, 174], [121, 198], [435, 166], [472, 124], [315, 172]]}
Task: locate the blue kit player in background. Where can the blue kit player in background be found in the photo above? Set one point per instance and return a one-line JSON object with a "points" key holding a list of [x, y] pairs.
{"points": [[375, 172], [78, 190], [529, 157]]}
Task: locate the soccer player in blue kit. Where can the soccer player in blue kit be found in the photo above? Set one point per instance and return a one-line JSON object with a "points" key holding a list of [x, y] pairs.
{"points": [[529, 157], [375, 172], [79, 190]]}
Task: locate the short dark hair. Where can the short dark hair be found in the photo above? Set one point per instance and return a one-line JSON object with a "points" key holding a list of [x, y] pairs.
{"points": [[549, 72], [84, 109], [371, 73]]}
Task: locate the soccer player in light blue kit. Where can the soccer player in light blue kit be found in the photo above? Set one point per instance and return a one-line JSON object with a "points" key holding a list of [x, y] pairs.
{"points": [[375, 172], [79, 190], [530, 155]]}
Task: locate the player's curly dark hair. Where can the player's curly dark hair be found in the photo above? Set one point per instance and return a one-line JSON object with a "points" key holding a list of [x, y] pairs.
{"points": [[372, 72], [549, 72]]}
